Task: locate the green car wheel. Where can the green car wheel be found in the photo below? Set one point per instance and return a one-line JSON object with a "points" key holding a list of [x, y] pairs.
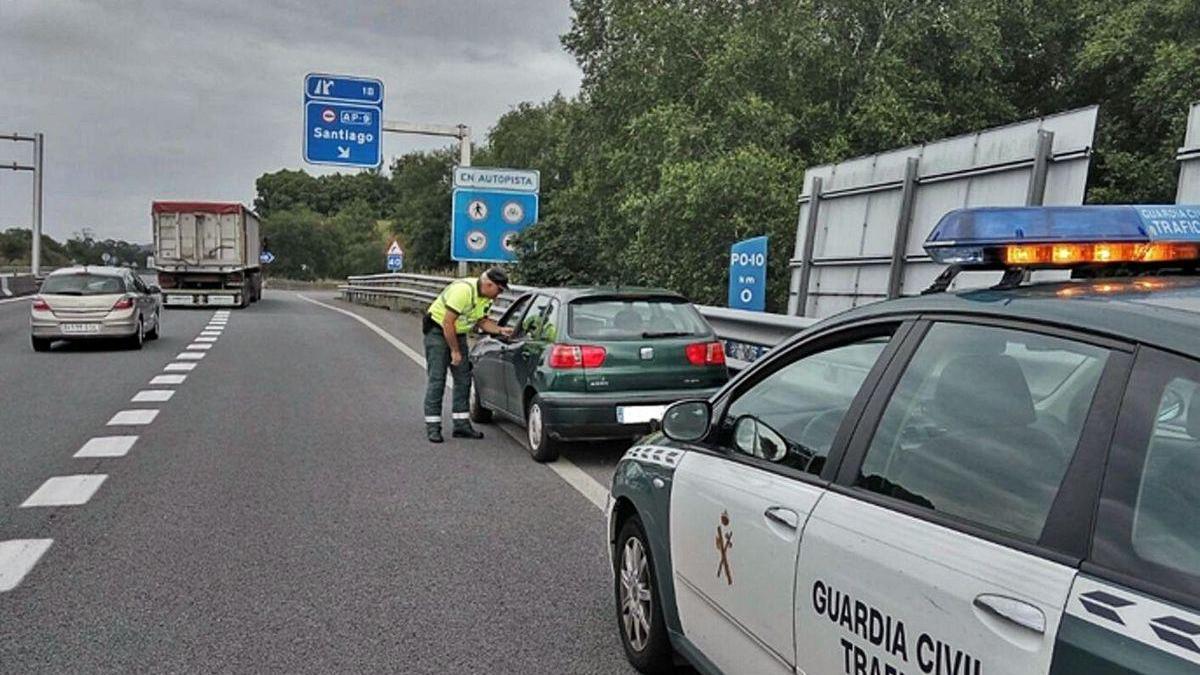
{"points": [[542, 447]]}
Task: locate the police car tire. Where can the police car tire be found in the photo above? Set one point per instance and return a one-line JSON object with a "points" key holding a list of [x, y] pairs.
{"points": [[478, 412], [657, 656]]}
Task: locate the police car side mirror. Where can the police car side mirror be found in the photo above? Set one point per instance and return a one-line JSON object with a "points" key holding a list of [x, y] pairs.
{"points": [[687, 421]]}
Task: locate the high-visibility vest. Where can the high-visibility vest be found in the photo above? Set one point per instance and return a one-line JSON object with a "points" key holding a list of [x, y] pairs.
{"points": [[462, 297]]}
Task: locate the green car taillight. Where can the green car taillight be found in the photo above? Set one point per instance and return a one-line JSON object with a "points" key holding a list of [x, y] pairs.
{"points": [[705, 354], [577, 356]]}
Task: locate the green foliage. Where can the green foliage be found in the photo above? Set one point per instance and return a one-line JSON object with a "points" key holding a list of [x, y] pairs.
{"points": [[697, 118], [81, 249]]}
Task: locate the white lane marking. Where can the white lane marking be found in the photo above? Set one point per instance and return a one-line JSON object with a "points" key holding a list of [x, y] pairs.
{"points": [[17, 557], [107, 446], [215, 326], [190, 356], [210, 332], [199, 347], [168, 379], [179, 367], [26, 298], [592, 489], [133, 417], [66, 490], [152, 396], [207, 338]]}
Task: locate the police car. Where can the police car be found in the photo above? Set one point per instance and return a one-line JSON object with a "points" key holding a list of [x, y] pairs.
{"points": [[999, 481]]}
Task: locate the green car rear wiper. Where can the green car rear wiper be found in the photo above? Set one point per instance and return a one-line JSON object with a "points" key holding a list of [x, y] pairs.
{"points": [[666, 333]]}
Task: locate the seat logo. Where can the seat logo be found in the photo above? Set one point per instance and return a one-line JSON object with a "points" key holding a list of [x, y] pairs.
{"points": [[724, 543], [647, 353]]}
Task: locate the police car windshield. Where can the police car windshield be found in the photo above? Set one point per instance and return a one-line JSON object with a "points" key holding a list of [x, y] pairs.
{"points": [[634, 319]]}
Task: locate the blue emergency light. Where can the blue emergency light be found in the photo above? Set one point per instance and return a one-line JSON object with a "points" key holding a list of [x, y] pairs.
{"points": [[1060, 237]]}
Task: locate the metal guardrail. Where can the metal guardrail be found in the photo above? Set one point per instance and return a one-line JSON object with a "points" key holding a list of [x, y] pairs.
{"points": [[13, 285], [747, 335]]}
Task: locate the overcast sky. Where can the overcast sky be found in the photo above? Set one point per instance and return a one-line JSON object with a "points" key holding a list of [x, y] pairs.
{"points": [[194, 99]]}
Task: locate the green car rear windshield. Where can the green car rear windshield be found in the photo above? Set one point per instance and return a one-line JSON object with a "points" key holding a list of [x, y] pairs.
{"points": [[83, 284], [634, 319]]}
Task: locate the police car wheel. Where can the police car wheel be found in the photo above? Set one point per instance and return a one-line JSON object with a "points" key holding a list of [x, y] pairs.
{"points": [[639, 613], [479, 413], [542, 447]]}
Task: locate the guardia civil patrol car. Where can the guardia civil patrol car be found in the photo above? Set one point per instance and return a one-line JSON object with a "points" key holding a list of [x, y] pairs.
{"points": [[999, 481]]}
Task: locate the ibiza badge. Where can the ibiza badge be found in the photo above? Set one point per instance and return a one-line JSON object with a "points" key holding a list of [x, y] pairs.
{"points": [[724, 543]]}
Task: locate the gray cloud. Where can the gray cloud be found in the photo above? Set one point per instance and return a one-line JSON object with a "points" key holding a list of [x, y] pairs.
{"points": [[196, 98]]}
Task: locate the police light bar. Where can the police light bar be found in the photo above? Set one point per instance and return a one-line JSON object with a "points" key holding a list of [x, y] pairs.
{"points": [[1049, 237]]}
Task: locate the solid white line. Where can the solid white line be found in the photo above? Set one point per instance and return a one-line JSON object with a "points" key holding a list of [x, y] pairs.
{"points": [[592, 489], [107, 446], [152, 396], [65, 490], [168, 379], [207, 338], [133, 417], [17, 557], [19, 298], [190, 356], [199, 347], [179, 367]]}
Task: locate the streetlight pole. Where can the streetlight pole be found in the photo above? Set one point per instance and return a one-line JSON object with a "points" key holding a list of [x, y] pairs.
{"points": [[35, 257], [460, 131]]}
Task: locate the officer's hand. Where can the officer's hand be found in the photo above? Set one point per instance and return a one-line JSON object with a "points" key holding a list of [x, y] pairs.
{"points": [[506, 331], [456, 358]]}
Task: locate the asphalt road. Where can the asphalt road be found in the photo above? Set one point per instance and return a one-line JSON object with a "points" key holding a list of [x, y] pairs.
{"points": [[283, 513]]}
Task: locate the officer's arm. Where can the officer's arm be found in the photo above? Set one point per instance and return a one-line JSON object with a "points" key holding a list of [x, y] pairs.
{"points": [[489, 326], [450, 333]]}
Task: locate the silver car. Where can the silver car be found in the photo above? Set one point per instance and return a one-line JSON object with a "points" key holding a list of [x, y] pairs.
{"points": [[95, 302]]}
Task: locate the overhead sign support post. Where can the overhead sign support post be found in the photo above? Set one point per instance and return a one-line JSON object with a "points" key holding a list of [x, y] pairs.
{"points": [[1188, 191], [460, 131], [35, 254]]}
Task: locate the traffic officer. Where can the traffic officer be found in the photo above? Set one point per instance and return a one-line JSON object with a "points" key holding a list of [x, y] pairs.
{"points": [[462, 304]]}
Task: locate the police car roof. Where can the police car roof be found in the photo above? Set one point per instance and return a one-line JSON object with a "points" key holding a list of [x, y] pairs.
{"points": [[1159, 311]]}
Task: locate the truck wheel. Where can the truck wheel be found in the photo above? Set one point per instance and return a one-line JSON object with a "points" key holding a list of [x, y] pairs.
{"points": [[542, 447], [40, 344]]}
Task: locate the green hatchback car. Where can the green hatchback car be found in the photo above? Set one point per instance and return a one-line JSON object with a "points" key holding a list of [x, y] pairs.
{"points": [[593, 364]]}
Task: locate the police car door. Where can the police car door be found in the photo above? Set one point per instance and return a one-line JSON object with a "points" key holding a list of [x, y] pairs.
{"points": [[952, 538], [1135, 607], [739, 504]]}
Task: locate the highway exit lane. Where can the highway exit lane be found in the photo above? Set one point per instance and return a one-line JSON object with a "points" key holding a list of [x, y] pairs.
{"points": [[283, 512]]}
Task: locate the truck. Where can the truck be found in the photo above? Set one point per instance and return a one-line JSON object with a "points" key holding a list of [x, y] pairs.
{"points": [[207, 253]]}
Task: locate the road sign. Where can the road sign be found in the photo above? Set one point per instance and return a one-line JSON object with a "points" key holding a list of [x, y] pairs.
{"points": [[485, 223], [748, 274], [343, 120], [483, 178], [266, 258], [395, 257]]}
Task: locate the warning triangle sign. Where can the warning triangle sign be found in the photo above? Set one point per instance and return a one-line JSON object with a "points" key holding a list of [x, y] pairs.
{"points": [[394, 249]]}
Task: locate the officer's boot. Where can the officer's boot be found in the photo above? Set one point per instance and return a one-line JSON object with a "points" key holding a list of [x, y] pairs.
{"points": [[463, 429], [433, 432]]}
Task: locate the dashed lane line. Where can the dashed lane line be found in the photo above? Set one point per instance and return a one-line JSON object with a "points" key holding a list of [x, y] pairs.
{"points": [[107, 446], [152, 396], [199, 347], [17, 557], [179, 367], [65, 490], [168, 379], [136, 417], [592, 489], [207, 339], [190, 356]]}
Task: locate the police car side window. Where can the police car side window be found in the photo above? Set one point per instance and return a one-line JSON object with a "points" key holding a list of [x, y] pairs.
{"points": [[1147, 524], [966, 433], [791, 416]]}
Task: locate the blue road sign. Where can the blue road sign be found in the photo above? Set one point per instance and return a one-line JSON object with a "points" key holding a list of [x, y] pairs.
{"points": [[266, 257], [748, 274], [395, 263], [484, 223], [343, 120]]}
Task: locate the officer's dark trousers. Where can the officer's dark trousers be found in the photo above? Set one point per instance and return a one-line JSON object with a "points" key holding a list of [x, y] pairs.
{"points": [[437, 360]]}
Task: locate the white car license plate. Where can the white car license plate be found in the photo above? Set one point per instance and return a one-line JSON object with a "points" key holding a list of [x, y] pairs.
{"points": [[221, 300], [179, 299], [80, 328], [639, 414]]}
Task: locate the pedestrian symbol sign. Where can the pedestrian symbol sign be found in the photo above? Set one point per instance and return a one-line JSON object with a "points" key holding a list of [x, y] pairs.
{"points": [[491, 207]]}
